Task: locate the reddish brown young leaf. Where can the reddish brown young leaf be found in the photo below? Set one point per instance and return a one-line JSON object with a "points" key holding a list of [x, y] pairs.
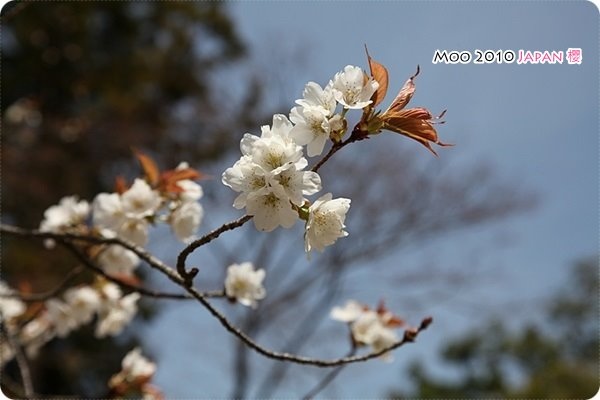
{"points": [[169, 179], [415, 123], [127, 279], [175, 175], [152, 392], [381, 308], [380, 74], [120, 184], [390, 320], [405, 94], [395, 322], [151, 171]]}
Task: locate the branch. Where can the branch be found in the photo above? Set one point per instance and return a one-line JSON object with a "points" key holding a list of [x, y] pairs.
{"points": [[21, 361], [61, 236], [409, 335], [85, 260], [66, 238], [354, 137], [188, 276]]}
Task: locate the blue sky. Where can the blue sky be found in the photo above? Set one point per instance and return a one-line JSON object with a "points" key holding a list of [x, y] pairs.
{"points": [[537, 125]]}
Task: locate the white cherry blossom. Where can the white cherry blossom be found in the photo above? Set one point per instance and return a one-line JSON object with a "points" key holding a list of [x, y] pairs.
{"points": [[135, 230], [325, 222], [136, 372], [140, 200], [110, 292], [69, 212], [270, 176], [135, 365], [110, 218], [117, 260], [350, 312], [276, 153], [351, 89], [245, 177], [192, 191], [382, 338], [185, 220], [293, 184], [83, 302], [9, 307], [311, 128], [315, 96], [369, 327], [281, 128], [244, 284], [60, 315], [364, 327], [107, 211], [115, 315], [270, 211], [6, 353]]}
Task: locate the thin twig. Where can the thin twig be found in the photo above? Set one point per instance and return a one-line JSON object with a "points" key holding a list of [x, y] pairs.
{"points": [[327, 379], [409, 335], [43, 296], [21, 361], [332, 151], [337, 147], [188, 276], [84, 259]]}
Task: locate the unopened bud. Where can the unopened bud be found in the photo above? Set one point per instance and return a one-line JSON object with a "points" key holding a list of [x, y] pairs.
{"points": [[425, 323]]}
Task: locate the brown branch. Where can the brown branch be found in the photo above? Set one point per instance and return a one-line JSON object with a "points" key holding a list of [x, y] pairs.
{"points": [[188, 276], [409, 335], [85, 260], [61, 236], [354, 137], [22, 362]]}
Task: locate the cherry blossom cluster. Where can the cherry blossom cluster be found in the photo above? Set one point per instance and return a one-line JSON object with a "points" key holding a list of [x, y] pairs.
{"points": [[102, 301], [129, 212], [133, 381], [270, 176], [369, 327]]}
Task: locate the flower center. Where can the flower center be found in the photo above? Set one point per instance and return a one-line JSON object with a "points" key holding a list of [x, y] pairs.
{"points": [[274, 160]]}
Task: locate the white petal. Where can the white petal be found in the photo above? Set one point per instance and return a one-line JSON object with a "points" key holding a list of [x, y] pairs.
{"points": [[311, 183]]}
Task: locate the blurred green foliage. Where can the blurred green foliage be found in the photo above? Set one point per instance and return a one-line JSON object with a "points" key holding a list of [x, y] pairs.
{"points": [[555, 357]]}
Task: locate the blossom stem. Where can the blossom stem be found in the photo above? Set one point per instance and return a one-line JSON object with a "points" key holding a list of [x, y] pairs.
{"points": [[334, 149]]}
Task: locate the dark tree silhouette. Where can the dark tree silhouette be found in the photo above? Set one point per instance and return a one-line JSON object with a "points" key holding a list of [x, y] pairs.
{"points": [[83, 83]]}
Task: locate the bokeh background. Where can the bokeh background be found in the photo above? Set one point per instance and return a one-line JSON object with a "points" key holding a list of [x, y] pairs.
{"points": [[497, 238]]}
